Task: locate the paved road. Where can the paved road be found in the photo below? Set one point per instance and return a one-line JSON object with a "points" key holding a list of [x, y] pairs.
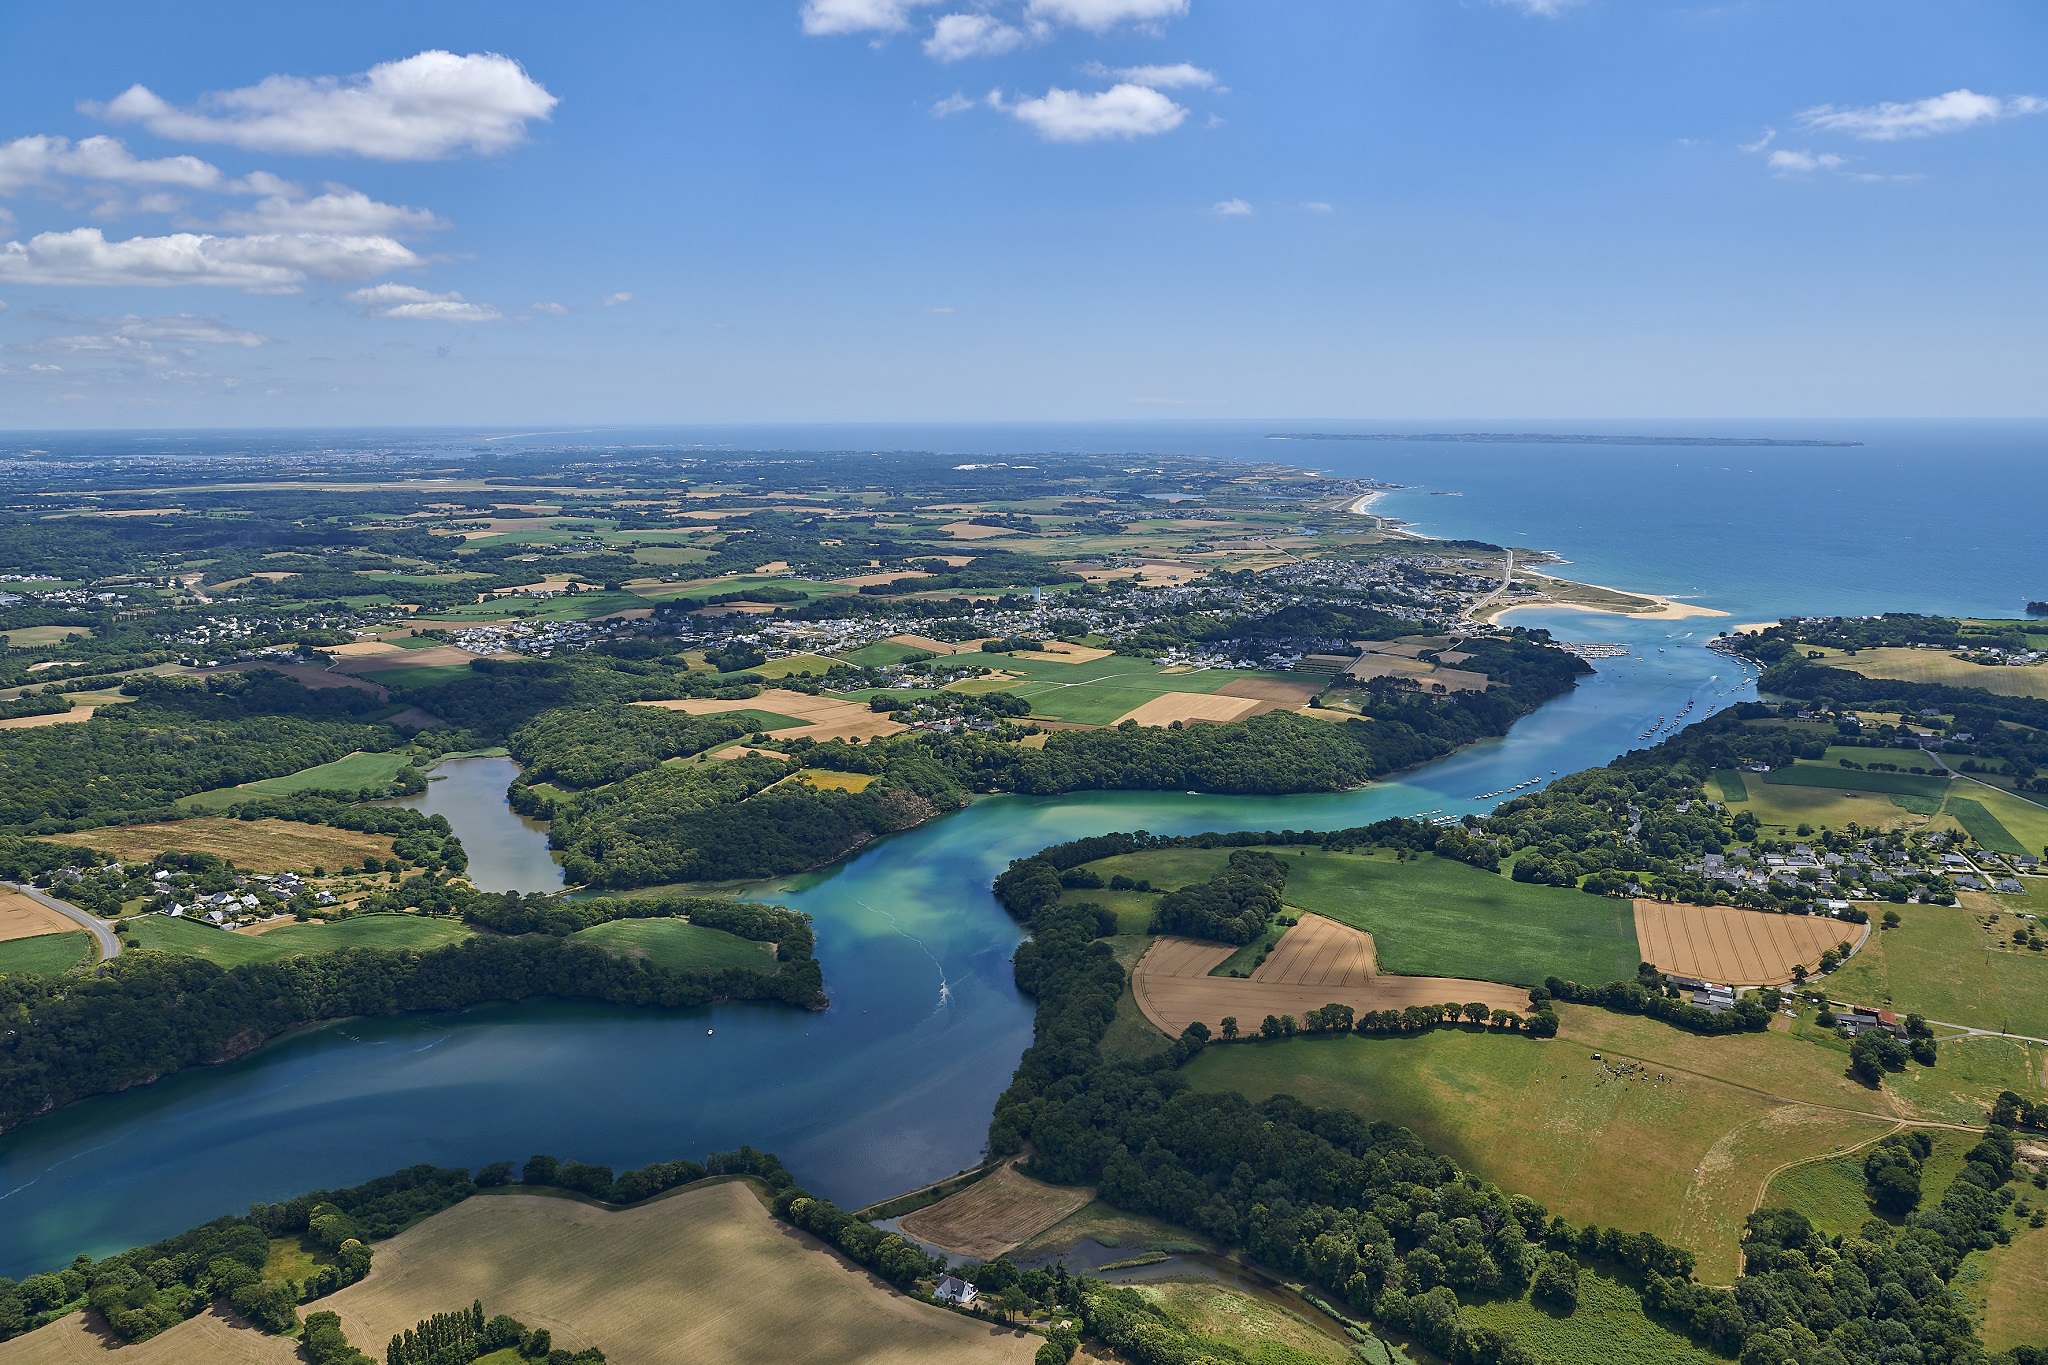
{"points": [[109, 945]]}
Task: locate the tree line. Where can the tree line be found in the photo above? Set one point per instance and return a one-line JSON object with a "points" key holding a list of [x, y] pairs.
{"points": [[145, 1015]]}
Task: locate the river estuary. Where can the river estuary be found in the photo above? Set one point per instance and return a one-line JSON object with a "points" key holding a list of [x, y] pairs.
{"points": [[889, 1088]]}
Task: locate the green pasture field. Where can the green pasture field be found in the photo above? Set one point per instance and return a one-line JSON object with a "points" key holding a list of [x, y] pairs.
{"points": [[1981, 825], [1428, 917], [1608, 1325], [1546, 1120], [414, 676], [1939, 666], [35, 637], [1967, 1076], [679, 945], [1943, 963], [1790, 807], [671, 554], [1804, 774], [1918, 805], [1733, 787], [1909, 760], [1833, 1194], [46, 954], [415, 642], [581, 606], [793, 664], [883, 653], [1102, 690], [1436, 917], [2024, 817], [2002, 1287], [811, 588], [1133, 909], [192, 939], [352, 772]]}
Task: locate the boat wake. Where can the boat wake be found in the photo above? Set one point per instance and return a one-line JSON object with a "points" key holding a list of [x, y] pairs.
{"points": [[945, 987]]}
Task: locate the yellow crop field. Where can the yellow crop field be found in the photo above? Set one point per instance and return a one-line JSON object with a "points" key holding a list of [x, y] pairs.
{"points": [[702, 1275], [256, 845]]}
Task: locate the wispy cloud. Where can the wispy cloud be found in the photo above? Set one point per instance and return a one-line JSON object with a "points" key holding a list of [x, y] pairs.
{"points": [[1786, 161], [410, 302], [1949, 113], [955, 103], [1122, 111], [340, 209], [1231, 208], [614, 300], [825, 17], [550, 309], [1175, 76], [421, 108], [1317, 206], [1542, 9], [1098, 15]]}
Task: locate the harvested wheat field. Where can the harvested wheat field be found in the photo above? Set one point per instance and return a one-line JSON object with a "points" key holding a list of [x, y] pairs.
{"points": [[22, 917], [1272, 689], [824, 717], [967, 530], [1732, 947], [1060, 652], [703, 1275], [253, 845], [77, 715], [1172, 706], [212, 1338], [360, 649], [872, 580], [1318, 962], [994, 1215], [434, 656], [926, 643]]}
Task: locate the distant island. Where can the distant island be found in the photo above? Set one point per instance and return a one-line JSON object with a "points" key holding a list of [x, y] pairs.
{"points": [[1545, 438]]}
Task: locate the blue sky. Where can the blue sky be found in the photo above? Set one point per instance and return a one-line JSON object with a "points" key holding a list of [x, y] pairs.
{"points": [[737, 210]]}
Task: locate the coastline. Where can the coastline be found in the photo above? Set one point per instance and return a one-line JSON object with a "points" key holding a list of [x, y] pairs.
{"points": [[1661, 608]]}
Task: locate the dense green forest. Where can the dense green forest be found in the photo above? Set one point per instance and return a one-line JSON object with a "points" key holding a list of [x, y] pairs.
{"points": [[178, 739]]}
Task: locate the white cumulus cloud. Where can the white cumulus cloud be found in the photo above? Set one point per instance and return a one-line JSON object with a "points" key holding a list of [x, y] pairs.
{"points": [[1949, 113], [1122, 111], [340, 209], [1231, 208], [825, 17], [429, 105], [266, 263], [1097, 15], [614, 300], [410, 301], [956, 37], [32, 161]]}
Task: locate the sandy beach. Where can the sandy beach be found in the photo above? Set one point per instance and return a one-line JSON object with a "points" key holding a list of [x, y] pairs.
{"points": [[1662, 608]]}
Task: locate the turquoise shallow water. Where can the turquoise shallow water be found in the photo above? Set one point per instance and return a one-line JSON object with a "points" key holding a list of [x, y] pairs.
{"points": [[893, 1085]]}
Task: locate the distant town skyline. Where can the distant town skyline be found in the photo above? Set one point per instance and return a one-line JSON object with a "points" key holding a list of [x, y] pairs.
{"points": [[867, 210]]}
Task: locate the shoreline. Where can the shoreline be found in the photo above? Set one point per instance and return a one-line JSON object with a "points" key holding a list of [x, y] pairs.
{"points": [[1662, 608]]}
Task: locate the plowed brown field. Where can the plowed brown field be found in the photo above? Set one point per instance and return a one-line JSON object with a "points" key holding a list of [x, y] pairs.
{"points": [[1318, 962], [1734, 947]]}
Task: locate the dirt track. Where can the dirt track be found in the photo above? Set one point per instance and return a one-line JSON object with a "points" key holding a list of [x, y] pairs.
{"points": [[1735, 947], [1318, 962]]}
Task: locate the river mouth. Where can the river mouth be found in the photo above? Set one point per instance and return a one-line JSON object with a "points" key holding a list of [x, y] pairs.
{"points": [[889, 1088]]}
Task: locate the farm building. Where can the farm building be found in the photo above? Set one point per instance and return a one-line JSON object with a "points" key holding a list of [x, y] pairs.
{"points": [[952, 1289]]}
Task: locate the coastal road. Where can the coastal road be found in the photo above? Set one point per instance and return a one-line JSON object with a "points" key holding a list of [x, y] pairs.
{"points": [[1507, 576], [110, 946]]}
